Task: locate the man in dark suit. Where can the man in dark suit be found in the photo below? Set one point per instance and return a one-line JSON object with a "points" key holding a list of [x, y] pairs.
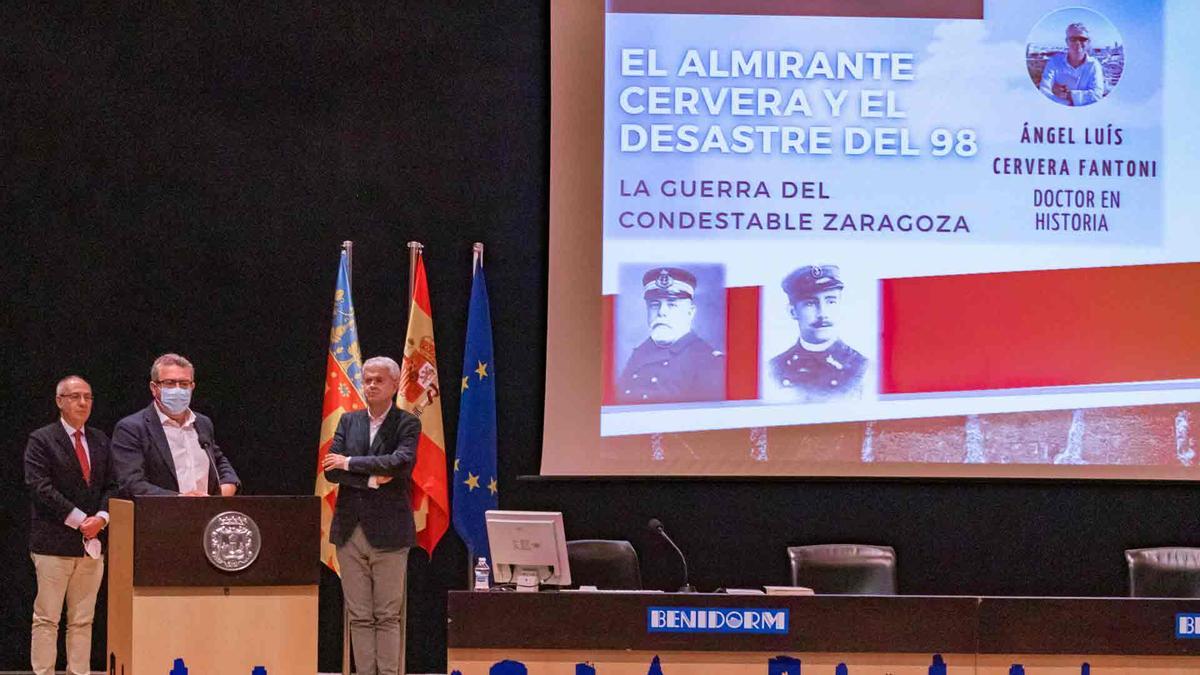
{"points": [[371, 459], [68, 473], [166, 448]]}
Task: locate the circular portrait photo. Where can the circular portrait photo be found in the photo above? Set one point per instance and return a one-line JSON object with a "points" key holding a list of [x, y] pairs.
{"points": [[1075, 56]]}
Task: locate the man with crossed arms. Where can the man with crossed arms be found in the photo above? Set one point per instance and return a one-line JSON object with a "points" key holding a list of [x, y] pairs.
{"points": [[371, 459]]}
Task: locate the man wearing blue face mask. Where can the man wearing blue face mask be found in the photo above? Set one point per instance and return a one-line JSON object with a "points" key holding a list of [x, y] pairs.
{"points": [[167, 449]]}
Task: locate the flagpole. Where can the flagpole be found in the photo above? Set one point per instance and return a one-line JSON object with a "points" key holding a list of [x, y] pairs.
{"points": [[476, 263], [348, 247], [415, 249]]}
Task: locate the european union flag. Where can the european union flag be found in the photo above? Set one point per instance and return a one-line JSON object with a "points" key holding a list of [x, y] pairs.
{"points": [[475, 479]]}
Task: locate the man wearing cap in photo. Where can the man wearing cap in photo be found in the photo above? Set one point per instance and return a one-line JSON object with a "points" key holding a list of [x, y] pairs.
{"points": [[1075, 77], [673, 364], [819, 366]]}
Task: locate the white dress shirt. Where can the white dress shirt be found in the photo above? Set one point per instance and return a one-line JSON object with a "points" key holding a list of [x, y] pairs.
{"points": [[1085, 81], [191, 461], [376, 422], [75, 517]]}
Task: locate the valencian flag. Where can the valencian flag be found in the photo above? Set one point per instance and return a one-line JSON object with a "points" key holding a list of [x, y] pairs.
{"points": [[343, 393], [475, 485], [418, 394]]}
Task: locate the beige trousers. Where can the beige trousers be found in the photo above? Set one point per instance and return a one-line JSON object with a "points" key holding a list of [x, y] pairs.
{"points": [[77, 580], [374, 584]]}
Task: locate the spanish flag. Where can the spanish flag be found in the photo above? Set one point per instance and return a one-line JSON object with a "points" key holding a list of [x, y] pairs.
{"points": [[343, 393], [419, 394]]}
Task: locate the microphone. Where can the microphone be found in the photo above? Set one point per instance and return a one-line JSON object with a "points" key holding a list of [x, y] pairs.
{"points": [[656, 525], [206, 445]]}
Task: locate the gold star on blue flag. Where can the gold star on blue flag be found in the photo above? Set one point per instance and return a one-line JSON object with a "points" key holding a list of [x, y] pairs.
{"points": [[475, 452]]}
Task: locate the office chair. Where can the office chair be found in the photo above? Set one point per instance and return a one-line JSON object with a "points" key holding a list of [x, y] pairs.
{"points": [[844, 568], [607, 564], [1166, 572]]}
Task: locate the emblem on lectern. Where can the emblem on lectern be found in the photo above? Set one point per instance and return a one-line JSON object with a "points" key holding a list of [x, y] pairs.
{"points": [[232, 541]]}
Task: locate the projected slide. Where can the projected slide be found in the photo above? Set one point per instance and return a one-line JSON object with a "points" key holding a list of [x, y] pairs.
{"points": [[812, 220]]}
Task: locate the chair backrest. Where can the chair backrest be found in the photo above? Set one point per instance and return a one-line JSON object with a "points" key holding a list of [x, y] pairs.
{"points": [[1167, 572], [607, 564], [844, 568]]}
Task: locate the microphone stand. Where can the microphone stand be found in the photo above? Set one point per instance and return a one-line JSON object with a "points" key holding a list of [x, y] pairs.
{"points": [[657, 526]]}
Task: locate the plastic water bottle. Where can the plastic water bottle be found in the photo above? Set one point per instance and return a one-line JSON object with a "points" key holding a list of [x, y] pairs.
{"points": [[483, 575]]}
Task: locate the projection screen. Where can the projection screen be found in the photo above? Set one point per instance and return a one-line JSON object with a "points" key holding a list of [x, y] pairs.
{"points": [[873, 238]]}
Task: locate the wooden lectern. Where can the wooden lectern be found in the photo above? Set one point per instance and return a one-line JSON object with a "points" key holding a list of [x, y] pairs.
{"points": [[174, 590]]}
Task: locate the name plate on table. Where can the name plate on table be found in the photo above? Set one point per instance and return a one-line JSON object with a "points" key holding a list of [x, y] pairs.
{"points": [[1187, 625], [755, 621]]}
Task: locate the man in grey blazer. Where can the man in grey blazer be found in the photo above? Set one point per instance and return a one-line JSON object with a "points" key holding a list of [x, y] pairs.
{"points": [[371, 459], [166, 448]]}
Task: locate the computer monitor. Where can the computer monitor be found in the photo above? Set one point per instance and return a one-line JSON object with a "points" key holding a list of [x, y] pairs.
{"points": [[528, 548]]}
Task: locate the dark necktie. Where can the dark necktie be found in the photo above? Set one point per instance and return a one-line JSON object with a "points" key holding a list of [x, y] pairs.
{"points": [[81, 454]]}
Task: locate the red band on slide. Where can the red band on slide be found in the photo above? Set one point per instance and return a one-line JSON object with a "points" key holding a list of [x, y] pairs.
{"points": [[742, 343], [1038, 329]]}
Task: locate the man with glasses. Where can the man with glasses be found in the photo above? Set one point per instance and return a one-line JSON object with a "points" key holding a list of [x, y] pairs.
{"points": [[1074, 78], [167, 449], [67, 471]]}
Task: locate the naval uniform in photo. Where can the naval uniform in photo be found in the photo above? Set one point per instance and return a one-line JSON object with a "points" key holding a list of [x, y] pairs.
{"points": [[816, 376], [821, 367], [687, 369]]}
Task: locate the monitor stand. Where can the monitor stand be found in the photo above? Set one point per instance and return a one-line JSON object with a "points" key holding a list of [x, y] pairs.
{"points": [[526, 578]]}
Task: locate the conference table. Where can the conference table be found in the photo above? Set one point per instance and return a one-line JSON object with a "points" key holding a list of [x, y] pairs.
{"points": [[645, 633]]}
